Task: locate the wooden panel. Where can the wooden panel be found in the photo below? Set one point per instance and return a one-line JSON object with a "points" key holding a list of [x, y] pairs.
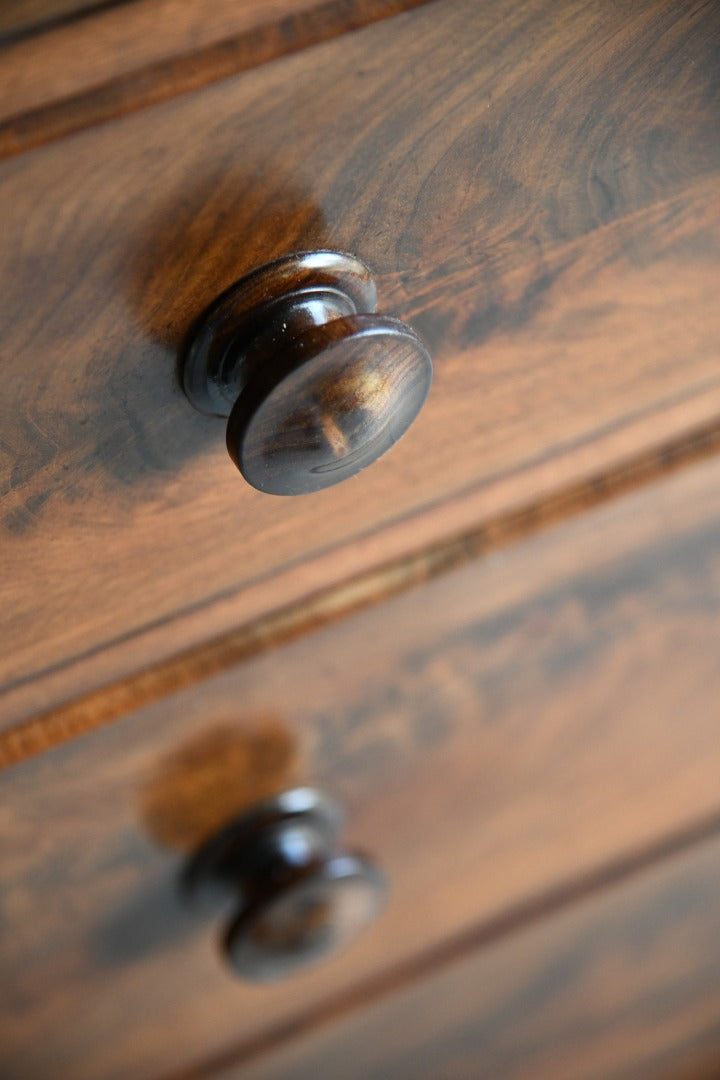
{"points": [[625, 985], [510, 734], [27, 16], [149, 50], [556, 243]]}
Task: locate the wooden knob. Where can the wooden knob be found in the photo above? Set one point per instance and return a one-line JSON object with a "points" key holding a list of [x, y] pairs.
{"points": [[298, 898], [315, 386]]}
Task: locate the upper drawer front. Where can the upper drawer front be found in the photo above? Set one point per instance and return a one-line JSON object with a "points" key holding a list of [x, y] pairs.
{"points": [[173, 43], [504, 738], [536, 190]]}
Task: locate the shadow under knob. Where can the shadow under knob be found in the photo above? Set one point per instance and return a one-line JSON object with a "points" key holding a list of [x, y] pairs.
{"points": [[298, 899], [314, 384]]}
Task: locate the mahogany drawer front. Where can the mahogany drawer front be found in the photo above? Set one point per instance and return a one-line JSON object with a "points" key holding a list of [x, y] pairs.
{"points": [[627, 985], [536, 190], [133, 53], [512, 734]]}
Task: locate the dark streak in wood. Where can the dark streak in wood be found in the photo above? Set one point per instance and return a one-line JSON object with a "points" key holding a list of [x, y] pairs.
{"points": [[22, 18], [85, 714], [184, 73]]}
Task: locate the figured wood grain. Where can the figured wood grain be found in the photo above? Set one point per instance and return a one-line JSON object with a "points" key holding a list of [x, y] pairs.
{"points": [[505, 738], [560, 257], [186, 667], [626, 984], [153, 50]]}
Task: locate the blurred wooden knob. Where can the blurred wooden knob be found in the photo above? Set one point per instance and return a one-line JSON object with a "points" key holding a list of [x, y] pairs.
{"points": [[298, 897], [315, 386]]}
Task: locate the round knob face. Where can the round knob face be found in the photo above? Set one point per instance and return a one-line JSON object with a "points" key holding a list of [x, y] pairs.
{"points": [[317, 914], [337, 398]]}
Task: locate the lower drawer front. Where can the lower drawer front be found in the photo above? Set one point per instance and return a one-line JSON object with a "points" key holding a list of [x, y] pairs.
{"points": [[628, 984], [526, 727]]}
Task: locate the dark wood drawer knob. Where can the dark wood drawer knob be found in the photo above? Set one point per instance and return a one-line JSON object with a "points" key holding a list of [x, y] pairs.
{"points": [[298, 897], [315, 386]]}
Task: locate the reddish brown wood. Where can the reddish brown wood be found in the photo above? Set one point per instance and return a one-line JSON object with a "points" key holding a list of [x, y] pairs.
{"points": [[626, 984], [560, 258], [185, 668], [150, 50], [22, 17], [504, 738]]}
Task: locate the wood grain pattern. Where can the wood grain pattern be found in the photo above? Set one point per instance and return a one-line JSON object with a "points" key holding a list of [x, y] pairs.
{"points": [[560, 259], [527, 727], [150, 50], [186, 667], [627, 984]]}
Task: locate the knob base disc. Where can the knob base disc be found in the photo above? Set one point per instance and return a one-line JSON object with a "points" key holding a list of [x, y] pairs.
{"points": [[252, 315]]}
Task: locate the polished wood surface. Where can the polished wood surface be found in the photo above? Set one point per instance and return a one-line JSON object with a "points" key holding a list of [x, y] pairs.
{"points": [[561, 260], [186, 667], [626, 984], [530, 727], [146, 51]]}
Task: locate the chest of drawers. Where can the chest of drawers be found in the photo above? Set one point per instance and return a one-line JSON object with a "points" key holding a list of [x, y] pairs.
{"points": [[496, 646]]}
